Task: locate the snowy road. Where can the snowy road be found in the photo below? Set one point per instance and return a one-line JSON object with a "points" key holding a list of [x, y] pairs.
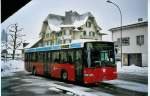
{"points": [[133, 78], [24, 84], [17, 82]]}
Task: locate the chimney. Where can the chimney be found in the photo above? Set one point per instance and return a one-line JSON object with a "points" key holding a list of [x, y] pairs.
{"points": [[140, 19], [68, 16]]}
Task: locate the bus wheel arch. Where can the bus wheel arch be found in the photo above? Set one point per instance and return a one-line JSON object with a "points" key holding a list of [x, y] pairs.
{"points": [[64, 75]]}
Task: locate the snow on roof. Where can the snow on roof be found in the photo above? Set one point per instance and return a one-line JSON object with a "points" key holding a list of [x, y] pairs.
{"points": [[54, 27], [55, 22], [79, 23], [32, 43], [78, 20], [137, 24]]}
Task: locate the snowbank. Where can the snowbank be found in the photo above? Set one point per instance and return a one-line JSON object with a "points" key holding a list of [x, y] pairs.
{"points": [[132, 69], [10, 66]]}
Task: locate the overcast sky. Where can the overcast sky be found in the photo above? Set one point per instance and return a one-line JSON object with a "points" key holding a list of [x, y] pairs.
{"points": [[31, 16]]}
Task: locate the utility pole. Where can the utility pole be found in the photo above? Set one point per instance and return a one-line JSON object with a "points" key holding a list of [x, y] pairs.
{"points": [[120, 27]]}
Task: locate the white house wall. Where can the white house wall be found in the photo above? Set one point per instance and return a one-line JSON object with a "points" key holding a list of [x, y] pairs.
{"points": [[133, 47], [91, 29]]}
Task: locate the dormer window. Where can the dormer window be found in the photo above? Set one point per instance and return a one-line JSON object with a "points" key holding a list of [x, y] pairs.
{"points": [[88, 24], [79, 28]]}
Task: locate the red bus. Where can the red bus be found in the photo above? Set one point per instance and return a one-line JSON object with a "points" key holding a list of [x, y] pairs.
{"points": [[86, 62]]}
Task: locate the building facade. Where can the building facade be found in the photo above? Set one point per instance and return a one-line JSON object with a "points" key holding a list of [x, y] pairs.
{"points": [[58, 29], [134, 43]]}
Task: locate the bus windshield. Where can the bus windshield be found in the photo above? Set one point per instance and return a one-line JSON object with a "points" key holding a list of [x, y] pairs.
{"points": [[102, 58], [99, 55]]}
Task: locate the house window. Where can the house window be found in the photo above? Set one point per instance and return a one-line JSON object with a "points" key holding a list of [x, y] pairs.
{"points": [[125, 41], [60, 33], [64, 33], [64, 41], [47, 35], [49, 42], [69, 40], [88, 24], [45, 43], [90, 33], [84, 33], [140, 40], [93, 33], [70, 33]]}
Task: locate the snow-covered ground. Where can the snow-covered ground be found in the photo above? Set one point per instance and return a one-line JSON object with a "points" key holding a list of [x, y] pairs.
{"points": [[10, 66], [132, 69], [7, 69]]}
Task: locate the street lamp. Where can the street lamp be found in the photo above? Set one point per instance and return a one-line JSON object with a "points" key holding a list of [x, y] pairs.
{"points": [[120, 27]]}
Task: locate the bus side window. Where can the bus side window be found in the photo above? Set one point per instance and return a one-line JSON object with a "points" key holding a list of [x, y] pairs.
{"points": [[70, 56], [40, 57], [49, 57], [78, 56], [29, 57], [63, 57], [55, 57], [25, 57], [32, 57]]}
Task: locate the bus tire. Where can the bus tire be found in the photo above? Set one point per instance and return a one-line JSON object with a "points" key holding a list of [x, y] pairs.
{"points": [[34, 71], [64, 75]]}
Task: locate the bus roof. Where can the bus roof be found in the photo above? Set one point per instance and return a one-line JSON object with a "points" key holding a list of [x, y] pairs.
{"points": [[55, 47], [74, 44]]}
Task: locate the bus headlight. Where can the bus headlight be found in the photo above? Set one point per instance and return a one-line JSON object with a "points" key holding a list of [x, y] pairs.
{"points": [[104, 70], [115, 72]]}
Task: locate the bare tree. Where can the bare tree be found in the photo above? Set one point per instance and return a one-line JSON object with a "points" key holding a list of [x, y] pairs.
{"points": [[15, 38]]}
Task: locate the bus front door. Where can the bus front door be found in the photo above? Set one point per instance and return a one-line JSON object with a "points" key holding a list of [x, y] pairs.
{"points": [[78, 66]]}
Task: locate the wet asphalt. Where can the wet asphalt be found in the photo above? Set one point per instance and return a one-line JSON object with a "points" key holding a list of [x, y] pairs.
{"points": [[24, 84]]}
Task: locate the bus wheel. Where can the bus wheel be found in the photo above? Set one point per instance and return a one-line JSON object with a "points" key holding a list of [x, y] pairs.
{"points": [[34, 71], [64, 76]]}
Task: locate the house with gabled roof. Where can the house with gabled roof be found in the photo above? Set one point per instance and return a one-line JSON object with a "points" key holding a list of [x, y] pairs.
{"points": [[134, 43], [58, 29]]}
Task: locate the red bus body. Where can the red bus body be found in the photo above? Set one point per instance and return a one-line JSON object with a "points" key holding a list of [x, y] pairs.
{"points": [[89, 75]]}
